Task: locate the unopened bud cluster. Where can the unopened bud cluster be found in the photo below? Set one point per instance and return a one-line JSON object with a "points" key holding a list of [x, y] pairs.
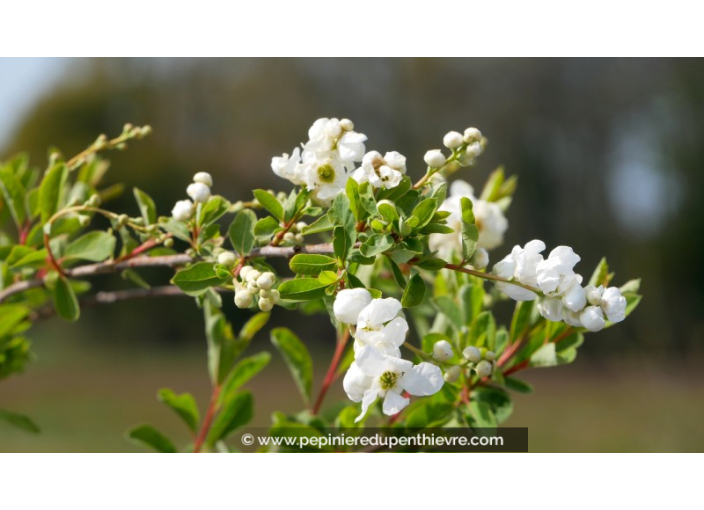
{"points": [[199, 191], [465, 147], [255, 284], [482, 361], [295, 233]]}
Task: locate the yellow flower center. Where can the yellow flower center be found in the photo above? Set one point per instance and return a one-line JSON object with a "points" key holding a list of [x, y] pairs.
{"points": [[326, 174], [388, 380]]}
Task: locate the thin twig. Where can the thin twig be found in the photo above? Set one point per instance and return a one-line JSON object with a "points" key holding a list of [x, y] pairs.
{"points": [[160, 261]]}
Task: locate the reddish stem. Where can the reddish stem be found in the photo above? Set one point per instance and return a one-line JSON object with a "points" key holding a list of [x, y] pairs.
{"points": [[208, 420], [516, 368], [50, 257], [330, 376]]}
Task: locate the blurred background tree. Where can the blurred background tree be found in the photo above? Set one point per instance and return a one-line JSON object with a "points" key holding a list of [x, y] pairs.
{"points": [[609, 154]]}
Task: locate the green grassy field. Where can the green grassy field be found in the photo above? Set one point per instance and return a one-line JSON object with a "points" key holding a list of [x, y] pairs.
{"points": [[85, 397]]}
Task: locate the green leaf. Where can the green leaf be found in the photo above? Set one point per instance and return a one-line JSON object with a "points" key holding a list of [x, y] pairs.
{"points": [[184, 405], [311, 264], [388, 212], [296, 357], [424, 211], [270, 203], [397, 273], [94, 246], [428, 414], [547, 356], [14, 195], [241, 232], [481, 415], [522, 319], [414, 293], [352, 190], [376, 244], [223, 347], [213, 210], [470, 232], [243, 372], [302, 289], [65, 300], [601, 274], [449, 308], [253, 325], [197, 278], [322, 224], [236, 411], [51, 190], [146, 206], [518, 385], [11, 316], [19, 420], [341, 243], [482, 331], [490, 193], [35, 258], [135, 277], [148, 436], [266, 226]]}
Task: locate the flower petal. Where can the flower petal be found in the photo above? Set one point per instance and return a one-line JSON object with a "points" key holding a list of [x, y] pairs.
{"points": [[394, 403], [423, 379]]}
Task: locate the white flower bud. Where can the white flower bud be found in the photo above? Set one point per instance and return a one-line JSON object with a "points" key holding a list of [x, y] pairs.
{"points": [[472, 135], [489, 355], [472, 354], [301, 225], [452, 140], [183, 210], [480, 259], [483, 368], [245, 271], [333, 128], [434, 158], [473, 150], [592, 318], [452, 374], [349, 303], [265, 304], [199, 192], [203, 178], [243, 299], [298, 238], [266, 281], [347, 124], [252, 276], [227, 258], [594, 294], [442, 350], [290, 237], [274, 296], [264, 293]]}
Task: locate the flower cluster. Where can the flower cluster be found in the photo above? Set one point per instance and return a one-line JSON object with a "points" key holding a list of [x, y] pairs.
{"points": [[465, 148], [199, 191], [483, 361], [489, 218], [381, 172], [378, 370], [562, 297], [327, 158], [255, 283]]}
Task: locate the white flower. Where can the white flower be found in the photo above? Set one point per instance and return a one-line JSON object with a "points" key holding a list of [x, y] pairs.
{"points": [[442, 350], [227, 258], [266, 280], [572, 318], [550, 308], [434, 158], [349, 302], [374, 375], [198, 191], [472, 134], [386, 171], [490, 220], [289, 167], [452, 140], [557, 271], [326, 160], [480, 259], [265, 304], [592, 318], [612, 303], [243, 298], [183, 210], [521, 265], [452, 374], [574, 297], [203, 178], [472, 354], [379, 325], [483, 368]]}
